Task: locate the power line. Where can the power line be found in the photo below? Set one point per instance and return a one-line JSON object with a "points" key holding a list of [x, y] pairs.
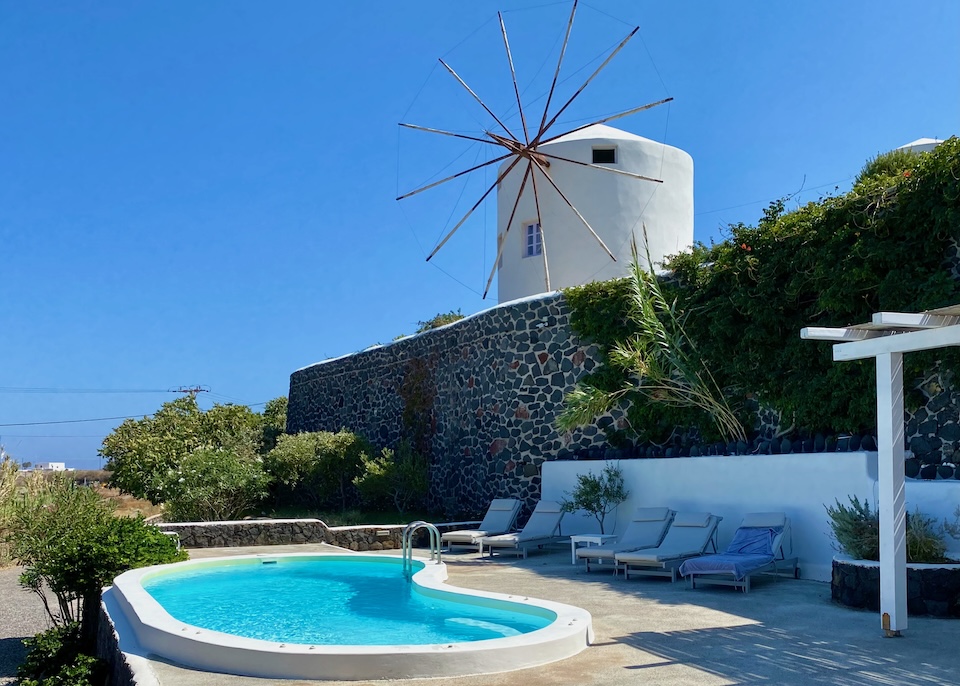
{"points": [[72, 421], [55, 436], [40, 389], [192, 391]]}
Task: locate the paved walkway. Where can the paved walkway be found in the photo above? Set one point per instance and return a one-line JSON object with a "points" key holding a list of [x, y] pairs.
{"points": [[21, 615], [784, 632]]}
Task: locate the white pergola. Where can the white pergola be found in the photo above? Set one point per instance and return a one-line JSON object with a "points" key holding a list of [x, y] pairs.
{"points": [[887, 338]]}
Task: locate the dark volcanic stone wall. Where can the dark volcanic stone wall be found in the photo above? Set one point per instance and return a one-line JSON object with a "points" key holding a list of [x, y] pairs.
{"points": [[480, 395]]}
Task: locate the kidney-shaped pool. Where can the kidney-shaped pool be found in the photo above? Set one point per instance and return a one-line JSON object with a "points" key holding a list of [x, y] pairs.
{"points": [[355, 617]]}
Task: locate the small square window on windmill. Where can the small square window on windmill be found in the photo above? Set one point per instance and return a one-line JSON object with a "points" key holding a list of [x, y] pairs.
{"points": [[604, 155]]}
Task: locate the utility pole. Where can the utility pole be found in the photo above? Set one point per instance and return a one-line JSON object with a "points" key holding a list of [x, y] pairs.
{"points": [[191, 390]]}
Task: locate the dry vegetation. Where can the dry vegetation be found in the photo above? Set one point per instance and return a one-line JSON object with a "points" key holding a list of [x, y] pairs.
{"points": [[16, 485]]}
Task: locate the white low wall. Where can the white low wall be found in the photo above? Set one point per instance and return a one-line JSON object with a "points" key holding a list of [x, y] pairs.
{"points": [[800, 485]]}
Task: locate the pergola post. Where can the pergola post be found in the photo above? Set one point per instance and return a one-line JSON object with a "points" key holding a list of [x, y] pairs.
{"points": [[887, 337], [892, 499]]}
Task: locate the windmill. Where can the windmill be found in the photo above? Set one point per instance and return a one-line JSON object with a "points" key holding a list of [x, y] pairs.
{"points": [[531, 154]]}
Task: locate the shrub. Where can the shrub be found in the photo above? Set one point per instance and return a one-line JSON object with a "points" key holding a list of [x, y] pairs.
{"points": [[215, 484], [397, 479], [924, 542], [71, 546], [857, 531], [887, 164], [856, 528], [597, 495], [439, 320], [54, 658], [318, 468], [144, 454]]}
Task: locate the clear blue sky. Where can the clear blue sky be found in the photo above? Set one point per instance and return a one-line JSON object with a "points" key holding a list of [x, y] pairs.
{"points": [[203, 193]]}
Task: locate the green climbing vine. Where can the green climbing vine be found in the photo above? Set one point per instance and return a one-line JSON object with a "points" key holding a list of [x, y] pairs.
{"points": [[882, 246]]}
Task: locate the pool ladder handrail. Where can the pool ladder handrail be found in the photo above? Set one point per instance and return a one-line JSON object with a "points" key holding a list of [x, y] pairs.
{"points": [[406, 543]]}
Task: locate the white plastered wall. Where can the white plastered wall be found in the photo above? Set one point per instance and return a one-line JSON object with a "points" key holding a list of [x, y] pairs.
{"points": [[800, 485]]}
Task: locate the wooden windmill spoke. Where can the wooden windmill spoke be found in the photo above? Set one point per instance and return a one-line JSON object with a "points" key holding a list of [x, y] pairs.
{"points": [[604, 120], [477, 98], [543, 244], [513, 75], [447, 133], [601, 167], [556, 74], [586, 83], [503, 239], [458, 174], [571, 206], [475, 206]]}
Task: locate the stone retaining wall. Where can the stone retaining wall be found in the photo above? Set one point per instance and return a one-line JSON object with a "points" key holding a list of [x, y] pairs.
{"points": [[288, 531], [480, 396]]}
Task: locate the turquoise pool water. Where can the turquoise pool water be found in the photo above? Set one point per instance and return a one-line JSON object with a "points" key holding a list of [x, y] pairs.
{"points": [[319, 601]]}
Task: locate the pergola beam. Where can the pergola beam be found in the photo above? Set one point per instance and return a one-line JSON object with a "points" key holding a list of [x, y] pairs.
{"points": [[822, 333], [911, 341], [914, 320]]}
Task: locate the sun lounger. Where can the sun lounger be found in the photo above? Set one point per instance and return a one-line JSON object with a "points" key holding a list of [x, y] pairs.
{"points": [[499, 519], [690, 534], [759, 546], [646, 529], [541, 528]]}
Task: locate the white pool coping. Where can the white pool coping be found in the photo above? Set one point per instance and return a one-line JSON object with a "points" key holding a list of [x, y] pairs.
{"points": [[157, 633]]}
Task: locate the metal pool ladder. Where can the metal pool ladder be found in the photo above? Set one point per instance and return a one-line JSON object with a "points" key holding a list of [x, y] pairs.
{"points": [[406, 543]]}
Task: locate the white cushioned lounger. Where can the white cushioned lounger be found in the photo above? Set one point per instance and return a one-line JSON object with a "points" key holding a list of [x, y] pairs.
{"points": [[646, 529], [499, 519], [540, 529], [690, 534], [759, 546]]}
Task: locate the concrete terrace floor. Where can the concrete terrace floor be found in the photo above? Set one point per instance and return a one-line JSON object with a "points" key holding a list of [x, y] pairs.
{"points": [[647, 631], [651, 631]]}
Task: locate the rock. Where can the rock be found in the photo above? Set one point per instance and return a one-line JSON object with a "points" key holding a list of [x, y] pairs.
{"points": [[855, 443], [786, 446], [911, 467], [928, 471], [921, 446], [742, 448], [868, 443], [950, 432], [819, 443], [694, 450], [830, 445], [806, 445], [945, 471]]}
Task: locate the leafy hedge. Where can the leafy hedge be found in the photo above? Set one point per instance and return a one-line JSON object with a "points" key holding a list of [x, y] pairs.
{"points": [[880, 247]]}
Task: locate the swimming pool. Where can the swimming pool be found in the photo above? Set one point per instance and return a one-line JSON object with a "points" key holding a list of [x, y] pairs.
{"points": [[353, 617]]}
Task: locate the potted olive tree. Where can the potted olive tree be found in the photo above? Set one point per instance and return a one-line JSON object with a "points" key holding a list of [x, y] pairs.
{"points": [[598, 495]]}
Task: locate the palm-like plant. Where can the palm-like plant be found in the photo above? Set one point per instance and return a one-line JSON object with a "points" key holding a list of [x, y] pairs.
{"points": [[660, 360]]}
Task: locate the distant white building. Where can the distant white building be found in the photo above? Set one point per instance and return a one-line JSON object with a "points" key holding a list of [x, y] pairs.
{"points": [[52, 466], [616, 206], [921, 145]]}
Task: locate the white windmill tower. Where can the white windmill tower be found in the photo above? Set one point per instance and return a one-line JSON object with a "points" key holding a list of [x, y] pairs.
{"points": [[579, 196], [616, 207]]}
